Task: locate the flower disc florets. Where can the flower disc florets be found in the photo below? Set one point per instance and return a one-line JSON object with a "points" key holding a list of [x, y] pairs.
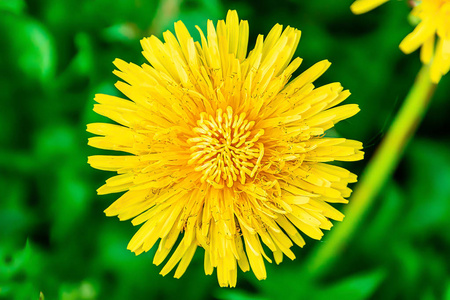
{"points": [[223, 149], [227, 148]]}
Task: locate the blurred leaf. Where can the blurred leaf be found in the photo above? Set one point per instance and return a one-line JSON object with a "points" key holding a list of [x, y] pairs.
{"points": [[19, 161], [390, 205], [53, 140], [84, 60], [16, 6], [290, 275], [14, 202], [357, 287], [447, 290], [407, 265], [70, 203], [17, 270], [23, 290], [429, 186], [123, 32], [15, 262], [83, 291], [30, 47], [5, 290], [228, 294]]}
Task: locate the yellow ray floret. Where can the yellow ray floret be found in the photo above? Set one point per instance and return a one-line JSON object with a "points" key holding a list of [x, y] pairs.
{"points": [[220, 151], [363, 6]]}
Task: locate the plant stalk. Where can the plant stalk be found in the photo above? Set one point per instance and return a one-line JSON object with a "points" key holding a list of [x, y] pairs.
{"points": [[377, 172]]}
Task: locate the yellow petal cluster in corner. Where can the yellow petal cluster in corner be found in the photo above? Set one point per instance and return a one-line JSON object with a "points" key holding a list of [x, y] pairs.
{"points": [[432, 33], [224, 153]]}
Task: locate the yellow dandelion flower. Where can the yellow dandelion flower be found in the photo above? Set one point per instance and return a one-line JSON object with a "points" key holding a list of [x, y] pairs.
{"points": [[433, 20], [434, 16], [224, 153]]}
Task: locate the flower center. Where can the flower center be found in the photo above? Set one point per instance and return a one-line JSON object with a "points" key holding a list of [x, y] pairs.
{"points": [[226, 148]]}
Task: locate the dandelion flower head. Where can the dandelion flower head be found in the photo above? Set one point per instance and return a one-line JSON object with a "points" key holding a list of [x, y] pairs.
{"points": [[222, 151], [432, 32]]}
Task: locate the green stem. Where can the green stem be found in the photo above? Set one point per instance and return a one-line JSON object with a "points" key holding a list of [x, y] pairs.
{"points": [[378, 170]]}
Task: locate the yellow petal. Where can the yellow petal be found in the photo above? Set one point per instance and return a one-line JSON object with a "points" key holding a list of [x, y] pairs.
{"points": [[363, 6], [420, 35]]}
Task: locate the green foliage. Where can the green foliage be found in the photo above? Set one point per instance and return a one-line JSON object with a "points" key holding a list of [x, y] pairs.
{"points": [[56, 241]]}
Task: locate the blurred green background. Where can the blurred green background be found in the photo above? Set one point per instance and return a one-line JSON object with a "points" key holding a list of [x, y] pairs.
{"points": [[55, 55]]}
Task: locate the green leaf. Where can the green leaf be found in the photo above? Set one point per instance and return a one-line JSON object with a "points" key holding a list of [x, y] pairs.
{"points": [[83, 291], [29, 47], [15, 6], [227, 294], [357, 287], [15, 263], [384, 219], [84, 60], [428, 163], [447, 290]]}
